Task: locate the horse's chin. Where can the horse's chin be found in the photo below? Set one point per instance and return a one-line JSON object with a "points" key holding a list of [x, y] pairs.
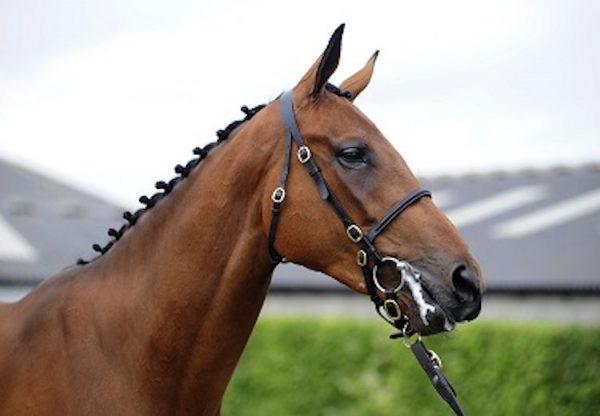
{"points": [[437, 321], [429, 319]]}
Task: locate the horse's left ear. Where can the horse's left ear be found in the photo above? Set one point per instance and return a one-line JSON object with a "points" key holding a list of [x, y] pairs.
{"points": [[359, 81], [315, 79]]}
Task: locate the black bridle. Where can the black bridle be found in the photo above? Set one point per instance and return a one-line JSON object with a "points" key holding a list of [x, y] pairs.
{"points": [[368, 257]]}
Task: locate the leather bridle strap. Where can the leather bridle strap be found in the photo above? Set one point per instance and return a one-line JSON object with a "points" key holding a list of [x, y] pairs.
{"points": [[396, 210], [292, 133], [278, 196], [367, 253], [368, 258]]}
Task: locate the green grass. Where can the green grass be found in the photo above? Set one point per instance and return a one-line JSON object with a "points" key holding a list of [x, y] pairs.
{"points": [[315, 366]]}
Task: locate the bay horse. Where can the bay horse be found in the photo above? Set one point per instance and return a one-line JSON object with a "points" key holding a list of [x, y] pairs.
{"points": [[156, 323]]}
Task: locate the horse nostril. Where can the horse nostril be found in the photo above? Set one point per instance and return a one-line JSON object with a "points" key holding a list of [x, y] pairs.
{"points": [[465, 284]]}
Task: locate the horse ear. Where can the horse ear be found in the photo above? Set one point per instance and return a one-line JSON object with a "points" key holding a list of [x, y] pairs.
{"points": [[314, 80], [359, 81]]}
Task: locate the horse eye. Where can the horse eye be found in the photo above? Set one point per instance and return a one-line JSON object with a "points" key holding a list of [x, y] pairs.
{"points": [[352, 157]]}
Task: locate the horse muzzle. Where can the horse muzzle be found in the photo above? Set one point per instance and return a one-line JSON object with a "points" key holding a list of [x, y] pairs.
{"points": [[432, 308]]}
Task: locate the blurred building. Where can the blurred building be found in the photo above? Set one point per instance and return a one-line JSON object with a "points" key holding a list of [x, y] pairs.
{"points": [[46, 225], [535, 232]]}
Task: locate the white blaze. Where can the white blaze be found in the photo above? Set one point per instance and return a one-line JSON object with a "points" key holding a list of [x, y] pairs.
{"points": [[417, 293]]}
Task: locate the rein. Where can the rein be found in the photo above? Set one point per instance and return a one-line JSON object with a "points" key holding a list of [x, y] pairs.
{"points": [[368, 257]]}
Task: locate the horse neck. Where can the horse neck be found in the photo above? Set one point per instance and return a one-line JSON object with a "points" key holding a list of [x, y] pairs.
{"points": [[199, 267]]}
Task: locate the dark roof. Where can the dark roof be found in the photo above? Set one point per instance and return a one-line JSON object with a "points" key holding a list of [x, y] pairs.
{"points": [[532, 231], [46, 225]]}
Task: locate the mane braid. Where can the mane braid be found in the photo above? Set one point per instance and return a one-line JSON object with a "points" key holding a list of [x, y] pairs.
{"points": [[183, 171], [335, 90], [166, 187]]}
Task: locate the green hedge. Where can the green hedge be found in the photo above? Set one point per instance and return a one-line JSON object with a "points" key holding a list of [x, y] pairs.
{"points": [[316, 366]]}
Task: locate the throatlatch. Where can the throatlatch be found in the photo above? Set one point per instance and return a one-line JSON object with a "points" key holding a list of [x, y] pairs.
{"points": [[368, 258]]}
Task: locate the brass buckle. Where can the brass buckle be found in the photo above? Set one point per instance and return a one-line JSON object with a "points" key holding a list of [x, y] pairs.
{"points": [[361, 258], [278, 195], [407, 339], [304, 154], [354, 233], [392, 309]]}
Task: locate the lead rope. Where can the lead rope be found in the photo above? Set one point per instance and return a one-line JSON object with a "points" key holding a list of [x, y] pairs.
{"points": [[389, 309], [431, 363]]}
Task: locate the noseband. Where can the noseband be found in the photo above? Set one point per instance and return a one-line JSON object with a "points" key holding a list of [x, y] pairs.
{"points": [[368, 257]]}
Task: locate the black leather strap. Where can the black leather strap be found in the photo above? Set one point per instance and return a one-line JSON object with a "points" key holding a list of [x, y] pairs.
{"points": [[278, 201], [291, 127], [398, 208], [289, 117], [292, 133], [436, 376]]}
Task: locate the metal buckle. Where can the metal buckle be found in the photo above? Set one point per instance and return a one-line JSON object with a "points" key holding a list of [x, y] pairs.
{"points": [[401, 266], [392, 309], [304, 154], [361, 258], [435, 358], [354, 233], [407, 339], [278, 195]]}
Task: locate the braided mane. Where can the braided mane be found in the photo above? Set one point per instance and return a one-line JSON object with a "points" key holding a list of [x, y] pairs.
{"points": [[164, 188]]}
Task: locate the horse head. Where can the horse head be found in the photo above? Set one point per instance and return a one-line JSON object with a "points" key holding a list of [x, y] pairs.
{"points": [[423, 261]]}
